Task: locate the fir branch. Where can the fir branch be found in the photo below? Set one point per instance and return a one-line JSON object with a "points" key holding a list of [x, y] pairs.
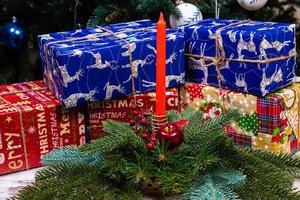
{"points": [[264, 177], [194, 163], [213, 127], [173, 116], [150, 8], [60, 187], [117, 128], [216, 185], [143, 168], [284, 161], [112, 167], [121, 135], [63, 169], [123, 164], [98, 16], [187, 113], [196, 119], [71, 155], [173, 182]]}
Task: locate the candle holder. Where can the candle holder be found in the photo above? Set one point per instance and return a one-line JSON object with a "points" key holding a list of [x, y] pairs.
{"points": [[158, 121]]}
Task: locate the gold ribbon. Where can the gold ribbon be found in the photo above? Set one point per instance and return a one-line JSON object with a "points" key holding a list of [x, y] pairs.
{"points": [[221, 57], [94, 36]]}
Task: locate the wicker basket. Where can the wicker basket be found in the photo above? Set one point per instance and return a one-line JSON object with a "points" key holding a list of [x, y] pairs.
{"points": [[162, 198], [152, 191]]}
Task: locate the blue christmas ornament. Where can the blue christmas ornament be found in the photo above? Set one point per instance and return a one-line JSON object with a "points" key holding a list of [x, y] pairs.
{"points": [[13, 35]]}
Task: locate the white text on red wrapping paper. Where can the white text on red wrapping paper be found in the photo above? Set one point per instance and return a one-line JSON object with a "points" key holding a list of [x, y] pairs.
{"points": [[14, 158], [42, 130], [65, 124], [54, 130]]}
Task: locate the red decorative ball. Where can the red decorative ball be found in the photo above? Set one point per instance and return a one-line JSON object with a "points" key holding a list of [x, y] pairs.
{"points": [[170, 133], [150, 145], [144, 121], [145, 136]]}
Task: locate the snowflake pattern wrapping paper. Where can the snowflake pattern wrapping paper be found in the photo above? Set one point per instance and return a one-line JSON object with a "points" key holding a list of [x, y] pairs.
{"points": [[88, 65], [257, 57]]}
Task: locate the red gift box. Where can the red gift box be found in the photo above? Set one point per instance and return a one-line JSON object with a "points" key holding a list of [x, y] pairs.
{"points": [[32, 123], [120, 109]]}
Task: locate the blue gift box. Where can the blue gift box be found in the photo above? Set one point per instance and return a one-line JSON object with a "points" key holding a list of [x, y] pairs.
{"points": [[108, 62], [245, 56]]}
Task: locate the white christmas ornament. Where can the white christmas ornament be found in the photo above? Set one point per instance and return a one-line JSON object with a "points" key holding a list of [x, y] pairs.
{"points": [[189, 14], [252, 4]]}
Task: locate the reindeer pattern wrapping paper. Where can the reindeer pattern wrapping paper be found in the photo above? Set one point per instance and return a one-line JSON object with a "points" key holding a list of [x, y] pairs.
{"points": [[259, 57], [271, 122], [98, 64]]}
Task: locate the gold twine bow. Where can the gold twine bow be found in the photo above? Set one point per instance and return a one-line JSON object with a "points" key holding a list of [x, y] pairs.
{"points": [[94, 36], [220, 58]]}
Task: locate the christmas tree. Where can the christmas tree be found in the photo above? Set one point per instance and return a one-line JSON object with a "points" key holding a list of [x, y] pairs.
{"points": [[203, 165], [40, 17]]}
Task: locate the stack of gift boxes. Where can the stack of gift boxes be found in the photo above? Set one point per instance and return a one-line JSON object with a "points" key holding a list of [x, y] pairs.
{"points": [[103, 71], [248, 66]]}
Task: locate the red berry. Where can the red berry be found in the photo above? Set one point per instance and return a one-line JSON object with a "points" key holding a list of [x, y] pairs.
{"points": [[133, 106], [153, 137], [150, 145], [139, 117], [131, 122], [154, 140], [208, 118], [145, 136], [144, 121], [217, 112], [136, 112]]}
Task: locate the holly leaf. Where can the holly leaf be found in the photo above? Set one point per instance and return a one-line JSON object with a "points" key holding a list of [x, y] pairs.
{"points": [[282, 140], [276, 131]]}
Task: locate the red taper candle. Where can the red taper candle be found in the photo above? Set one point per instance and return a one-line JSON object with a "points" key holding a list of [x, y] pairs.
{"points": [[161, 67]]}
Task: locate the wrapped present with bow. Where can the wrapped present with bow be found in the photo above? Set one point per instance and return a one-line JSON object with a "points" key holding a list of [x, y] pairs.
{"points": [[32, 123], [245, 56], [108, 62], [267, 121]]}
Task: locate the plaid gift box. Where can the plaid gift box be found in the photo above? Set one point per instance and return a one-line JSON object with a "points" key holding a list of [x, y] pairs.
{"points": [[269, 111], [239, 139], [294, 145]]}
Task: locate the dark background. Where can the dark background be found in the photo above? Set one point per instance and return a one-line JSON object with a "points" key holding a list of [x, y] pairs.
{"points": [[40, 17]]}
